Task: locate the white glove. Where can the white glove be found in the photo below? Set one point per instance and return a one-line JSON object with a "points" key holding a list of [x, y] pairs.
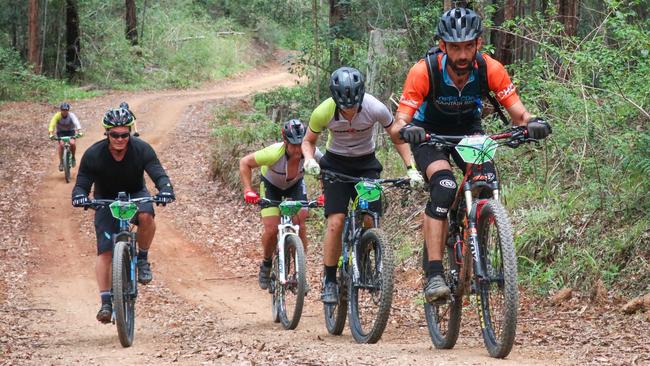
{"points": [[312, 167], [416, 178]]}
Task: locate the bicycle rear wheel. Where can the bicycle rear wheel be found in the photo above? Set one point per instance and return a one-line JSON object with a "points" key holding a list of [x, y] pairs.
{"points": [[498, 293], [123, 300], [335, 314], [66, 164], [443, 319], [292, 294], [372, 295]]}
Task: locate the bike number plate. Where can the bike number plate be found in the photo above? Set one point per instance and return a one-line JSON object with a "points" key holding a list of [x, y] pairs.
{"points": [[290, 208], [123, 210], [477, 149], [368, 191]]}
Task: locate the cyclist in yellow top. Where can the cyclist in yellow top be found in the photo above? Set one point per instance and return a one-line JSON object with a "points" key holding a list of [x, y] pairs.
{"points": [[65, 123], [282, 176]]}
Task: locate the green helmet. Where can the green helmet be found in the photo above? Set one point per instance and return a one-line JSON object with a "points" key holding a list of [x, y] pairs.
{"points": [[117, 117]]}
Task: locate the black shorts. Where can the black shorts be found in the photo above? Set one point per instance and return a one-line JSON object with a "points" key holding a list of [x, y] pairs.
{"points": [[297, 192], [338, 194], [70, 133], [106, 225], [426, 154]]}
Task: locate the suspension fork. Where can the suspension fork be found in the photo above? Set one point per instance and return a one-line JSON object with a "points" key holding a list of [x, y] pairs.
{"points": [[472, 234]]}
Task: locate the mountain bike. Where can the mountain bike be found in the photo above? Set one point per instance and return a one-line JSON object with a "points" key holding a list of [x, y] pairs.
{"points": [[67, 154], [124, 264], [479, 253], [365, 268], [288, 271]]}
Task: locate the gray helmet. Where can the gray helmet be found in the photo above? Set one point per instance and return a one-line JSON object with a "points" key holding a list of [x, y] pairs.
{"points": [[347, 87], [64, 106], [117, 117], [459, 25], [293, 131], [124, 105]]}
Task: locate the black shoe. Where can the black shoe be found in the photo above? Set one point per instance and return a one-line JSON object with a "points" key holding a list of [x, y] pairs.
{"points": [[73, 162], [61, 166], [105, 313], [330, 294], [436, 290], [144, 272], [264, 277]]}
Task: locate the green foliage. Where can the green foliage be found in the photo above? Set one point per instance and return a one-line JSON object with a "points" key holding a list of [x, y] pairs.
{"points": [[18, 82]]}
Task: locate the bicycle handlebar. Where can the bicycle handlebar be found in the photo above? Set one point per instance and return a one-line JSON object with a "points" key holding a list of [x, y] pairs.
{"points": [[265, 202], [516, 136], [344, 178], [98, 203]]}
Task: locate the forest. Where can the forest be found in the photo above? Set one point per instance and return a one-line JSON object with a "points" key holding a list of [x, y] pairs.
{"points": [[580, 198]]}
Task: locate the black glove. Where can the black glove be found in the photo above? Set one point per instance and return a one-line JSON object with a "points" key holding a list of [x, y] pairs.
{"points": [[412, 134], [136, 134], [80, 200], [166, 194], [538, 128]]}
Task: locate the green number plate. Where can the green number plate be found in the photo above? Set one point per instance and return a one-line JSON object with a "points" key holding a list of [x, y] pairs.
{"points": [[290, 208], [123, 210], [368, 191], [477, 149]]}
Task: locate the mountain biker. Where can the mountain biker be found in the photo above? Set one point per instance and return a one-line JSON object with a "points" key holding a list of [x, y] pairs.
{"points": [[117, 164], [452, 108], [282, 176], [125, 105], [65, 123], [350, 116]]}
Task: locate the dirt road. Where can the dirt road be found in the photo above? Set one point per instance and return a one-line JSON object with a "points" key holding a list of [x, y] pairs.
{"points": [[204, 305]]}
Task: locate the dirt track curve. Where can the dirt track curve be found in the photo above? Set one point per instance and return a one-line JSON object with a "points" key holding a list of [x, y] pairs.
{"points": [[195, 311]]}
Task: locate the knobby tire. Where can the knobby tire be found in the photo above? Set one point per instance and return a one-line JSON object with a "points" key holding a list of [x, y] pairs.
{"points": [[123, 303], [296, 275], [498, 254], [66, 165], [379, 273]]}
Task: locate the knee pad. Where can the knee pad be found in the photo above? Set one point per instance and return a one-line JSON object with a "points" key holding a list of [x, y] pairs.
{"points": [[442, 188]]}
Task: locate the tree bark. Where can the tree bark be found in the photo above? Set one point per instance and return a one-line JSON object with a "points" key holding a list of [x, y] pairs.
{"points": [[33, 37], [314, 12], [131, 22], [567, 11], [73, 44], [339, 12]]}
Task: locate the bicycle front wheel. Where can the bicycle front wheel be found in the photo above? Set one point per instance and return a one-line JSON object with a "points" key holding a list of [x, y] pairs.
{"points": [[498, 293], [66, 165], [123, 290], [292, 293], [443, 319], [372, 294]]}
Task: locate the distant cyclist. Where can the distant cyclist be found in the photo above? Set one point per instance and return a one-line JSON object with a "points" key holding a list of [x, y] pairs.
{"points": [[117, 164], [134, 127], [65, 123], [282, 177]]}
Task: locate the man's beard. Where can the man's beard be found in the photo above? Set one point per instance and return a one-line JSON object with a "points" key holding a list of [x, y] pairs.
{"points": [[460, 71]]}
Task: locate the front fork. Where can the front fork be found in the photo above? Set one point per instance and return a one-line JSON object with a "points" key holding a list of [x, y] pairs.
{"points": [[283, 231], [480, 272]]}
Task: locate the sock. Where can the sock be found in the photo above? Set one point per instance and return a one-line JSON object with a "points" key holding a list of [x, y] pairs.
{"points": [[267, 262], [105, 296], [330, 273], [142, 254], [435, 268]]}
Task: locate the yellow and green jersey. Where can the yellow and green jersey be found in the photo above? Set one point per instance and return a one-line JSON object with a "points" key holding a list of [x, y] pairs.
{"points": [[273, 162]]}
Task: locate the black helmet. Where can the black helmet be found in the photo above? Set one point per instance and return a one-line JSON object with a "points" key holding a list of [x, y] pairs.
{"points": [[124, 105], [347, 87], [293, 131], [117, 117], [459, 25], [64, 106]]}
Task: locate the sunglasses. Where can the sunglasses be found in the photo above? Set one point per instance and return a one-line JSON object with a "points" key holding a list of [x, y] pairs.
{"points": [[116, 135]]}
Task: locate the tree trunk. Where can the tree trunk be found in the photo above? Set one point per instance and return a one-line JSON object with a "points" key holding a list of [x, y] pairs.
{"points": [[314, 13], [73, 48], [131, 23], [32, 36], [339, 11], [567, 11], [506, 41]]}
